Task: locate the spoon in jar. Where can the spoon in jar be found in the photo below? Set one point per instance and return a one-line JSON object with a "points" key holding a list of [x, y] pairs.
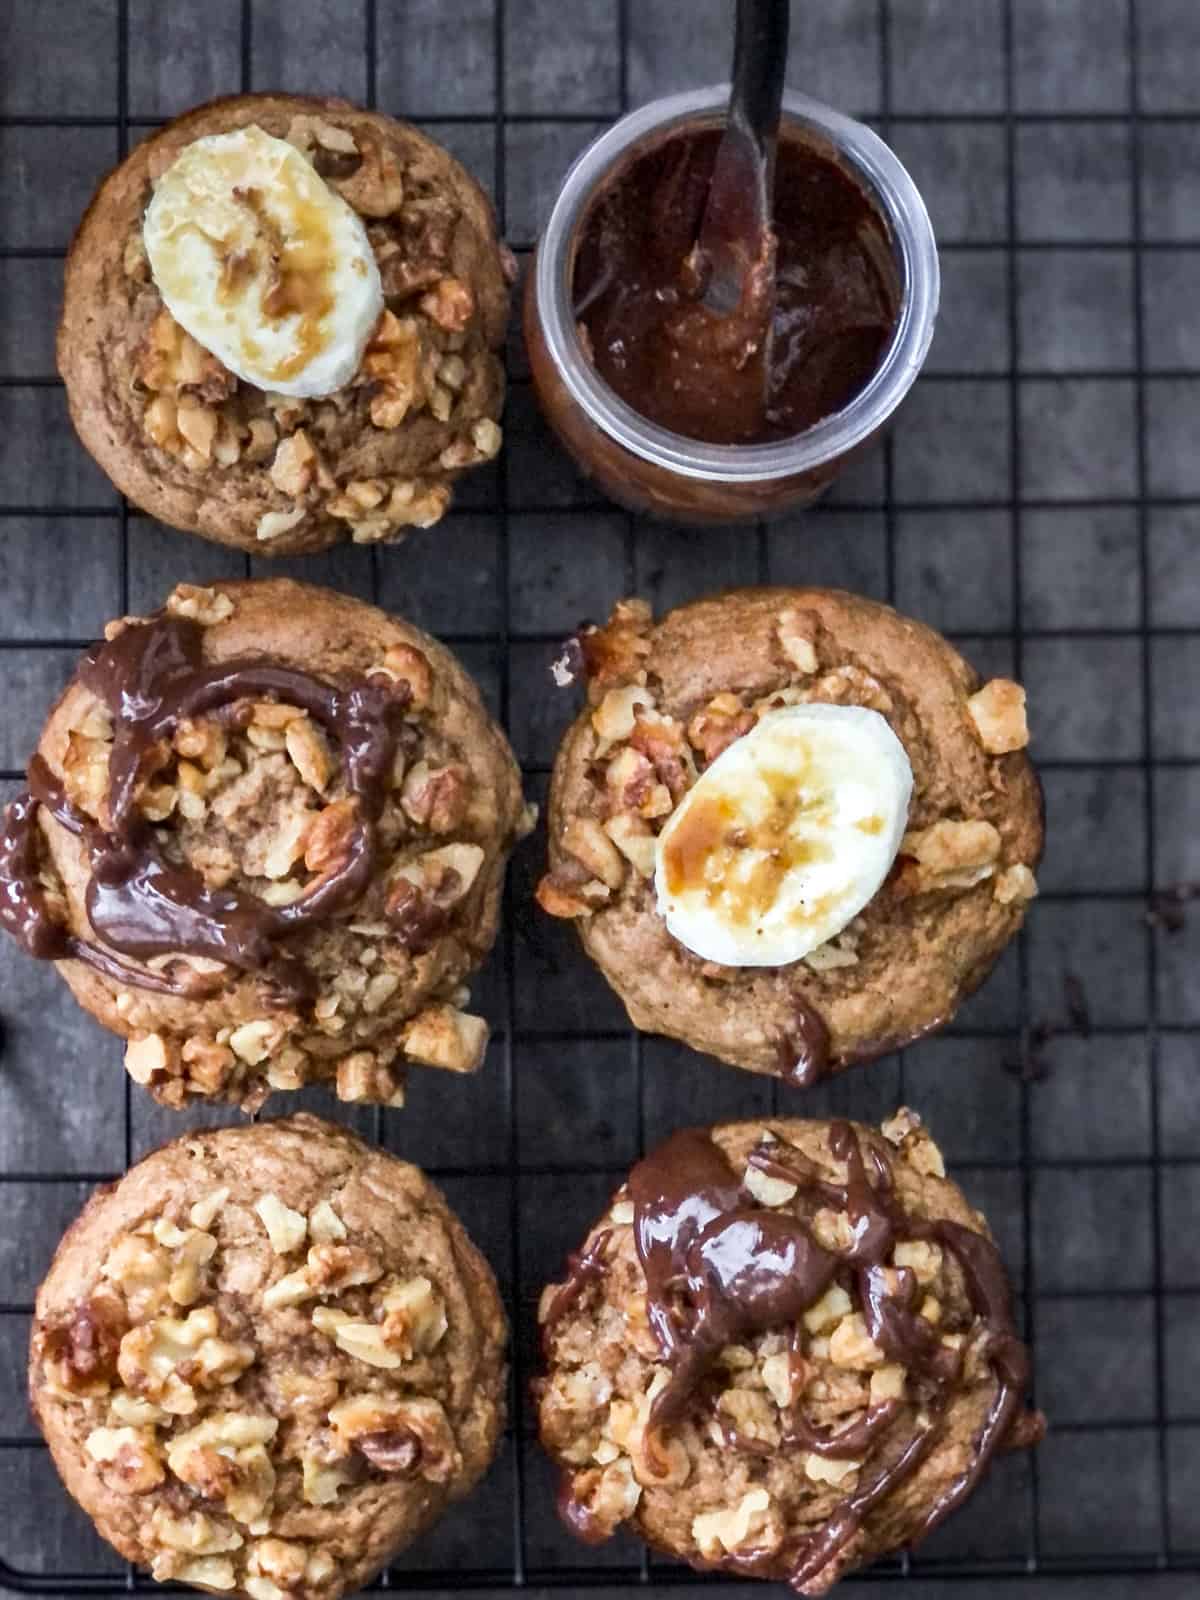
{"points": [[735, 238]]}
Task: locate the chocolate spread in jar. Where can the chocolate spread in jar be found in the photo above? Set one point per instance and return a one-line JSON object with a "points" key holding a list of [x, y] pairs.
{"points": [[819, 309]]}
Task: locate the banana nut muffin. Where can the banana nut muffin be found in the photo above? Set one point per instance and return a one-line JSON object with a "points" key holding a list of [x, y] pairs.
{"points": [[242, 463], [265, 841], [784, 1350], [674, 703], [267, 1359]]}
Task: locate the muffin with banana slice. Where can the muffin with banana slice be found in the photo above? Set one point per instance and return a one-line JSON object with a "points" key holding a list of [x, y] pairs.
{"points": [[281, 322], [793, 827], [264, 840], [785, 1349], [267, 1359]]}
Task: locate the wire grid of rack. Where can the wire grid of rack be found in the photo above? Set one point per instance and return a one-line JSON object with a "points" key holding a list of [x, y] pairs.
{"points": [[1049, 546]]}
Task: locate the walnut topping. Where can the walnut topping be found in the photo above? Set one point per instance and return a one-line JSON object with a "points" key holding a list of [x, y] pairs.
{"points": [[294, 469], [224, 1458], [998, 712], [324, 1224], [450, 304], [634, 840], [777, 1376], [309, 753], [732, 1529], [278, 1563], [435, 798], [794, 633], [1014, 884], [921, 1257], [591, 846], [851, 1346], [375, 188], [195, 1534], [613, 719], [887, 1383], [153, 1356], [361, 1076], [272, 523], [403, 1437], [286, 1228], [721, 723], [322, 1482], [149, 1058], [824, 1469], [407, 663], [206, 606], [662, 742], [392, 360], [899, 1125], [833, 1305], [210, 1572], [334, 1267], [310, 133], [442, 1036], [362, 1340], [170, 360], [131, 1452], [768, 1191], [414, 1317], [254, 1041], [949, 855], [80, 1354], [331, 836]]}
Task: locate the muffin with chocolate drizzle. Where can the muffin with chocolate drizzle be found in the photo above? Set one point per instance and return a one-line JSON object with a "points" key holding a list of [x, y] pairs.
{"points": [[784, 1350], [281, 324], [264, 840], [793, 828], [267, 1359]]}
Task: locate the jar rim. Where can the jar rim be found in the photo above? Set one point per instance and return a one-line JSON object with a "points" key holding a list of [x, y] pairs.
{"points": [[901, 204]]}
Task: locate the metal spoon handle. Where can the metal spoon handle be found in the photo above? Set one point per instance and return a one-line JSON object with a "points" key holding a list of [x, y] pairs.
{"points": [[738, 213], [759, 64]]}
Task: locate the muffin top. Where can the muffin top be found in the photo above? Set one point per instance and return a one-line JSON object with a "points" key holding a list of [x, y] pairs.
{"points": [[265, 838], [267, 1358], [785, 1348], [672, 704], [195, 444]]}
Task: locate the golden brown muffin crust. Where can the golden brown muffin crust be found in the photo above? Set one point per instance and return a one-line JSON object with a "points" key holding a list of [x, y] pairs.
{"points": [[267, 1359], [202, 450], [667, 697]]}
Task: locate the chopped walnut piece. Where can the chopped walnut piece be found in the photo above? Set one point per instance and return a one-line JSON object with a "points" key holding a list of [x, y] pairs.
{"points": [[80, 1354], [324, 1224], [634, 840], [151, 1354], [414, 1317], [150, 1058], [998, 712], [405, 662], [308, 750], [206, 606], [586, 840], [361, 1076], [335, 1267], [263, 435], [661, 740], [362, 1340], [825, 1469], [272, 523], [615, 716], [833, 1305], [1014, 884], [194, 1534], [208, 1208], [795, 635], [294, 468], [279, 1562], [207, 1064], [450, 304], [887, 1383], [376, 186], [223, 1458], [254, 1041], [331, 836], [921, 1257], [616, 653], [949, 855], [443, 1036], [321, 1482], [722, 722], [392, 360], [850, 1345], [899, 1125], [293, 1289], [732, 1529], [286, 1229], [557, 901], [435, 797], [777, 1376], [768, 1191], [170, 360], [925, 1156]]}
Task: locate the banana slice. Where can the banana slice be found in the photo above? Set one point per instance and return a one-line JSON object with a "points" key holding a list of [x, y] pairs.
{"points": [[786, 836], [257, 257]]}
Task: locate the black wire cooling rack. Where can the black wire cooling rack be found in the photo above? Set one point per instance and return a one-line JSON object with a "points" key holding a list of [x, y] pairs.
{"points": [[1039, 501]]}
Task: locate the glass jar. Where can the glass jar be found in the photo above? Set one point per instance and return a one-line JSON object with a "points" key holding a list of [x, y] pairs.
{"points": [[650, 469]]}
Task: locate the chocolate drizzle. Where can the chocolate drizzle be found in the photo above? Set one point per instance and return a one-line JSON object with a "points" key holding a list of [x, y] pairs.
{"points": [[152, 677], [718, 1267], [804, 1051]]}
